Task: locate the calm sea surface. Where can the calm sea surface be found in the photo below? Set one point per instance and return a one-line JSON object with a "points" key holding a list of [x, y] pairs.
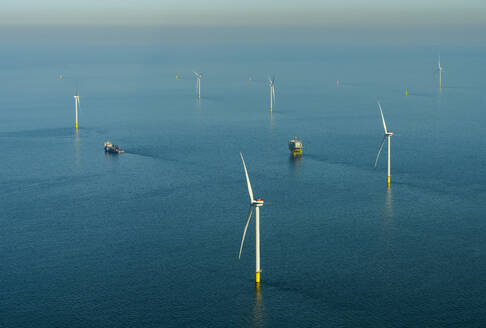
{"points": [[150, 238]]}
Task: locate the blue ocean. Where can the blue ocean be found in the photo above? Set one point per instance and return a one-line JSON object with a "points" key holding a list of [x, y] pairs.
{"points": [[150, 238]]}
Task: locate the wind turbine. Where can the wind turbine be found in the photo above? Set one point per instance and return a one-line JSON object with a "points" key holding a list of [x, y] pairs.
{"points": [[388, 135], [76, 104], [198, 85], [253, 204], [271, 83], [440, 69]]}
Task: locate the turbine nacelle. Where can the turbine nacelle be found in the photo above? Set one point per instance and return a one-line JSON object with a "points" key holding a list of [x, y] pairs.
{"points": [[257, 202], [271, 81]]}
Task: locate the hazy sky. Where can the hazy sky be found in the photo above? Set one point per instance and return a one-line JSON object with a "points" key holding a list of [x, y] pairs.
{"points": [[242, 13], [427, 22]]}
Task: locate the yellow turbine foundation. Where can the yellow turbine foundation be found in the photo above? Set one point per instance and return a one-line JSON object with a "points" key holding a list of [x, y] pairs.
{"points": [[388, 181], [76, 126], [257, 277]]}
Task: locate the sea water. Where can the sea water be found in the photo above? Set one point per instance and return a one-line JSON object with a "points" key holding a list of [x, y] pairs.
{"points": [[150, 238]]}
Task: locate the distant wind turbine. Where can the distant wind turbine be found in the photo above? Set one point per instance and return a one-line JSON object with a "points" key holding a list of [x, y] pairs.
{"points": [[198, 85], [388, 135], [271, 84], [440, 69], [253, 204], [76, 104]]}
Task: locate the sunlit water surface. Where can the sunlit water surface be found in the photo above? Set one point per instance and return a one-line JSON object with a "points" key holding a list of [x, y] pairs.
{"points": [[150, 238]]}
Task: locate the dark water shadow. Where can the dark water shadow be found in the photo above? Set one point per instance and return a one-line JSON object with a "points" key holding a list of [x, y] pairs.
{"points": [[420, 94], [211, 98], [154, 154], [41, 133], [139, 153], [143, 153], [358, 166], [460, 87], [316, 158], [312, 293]]}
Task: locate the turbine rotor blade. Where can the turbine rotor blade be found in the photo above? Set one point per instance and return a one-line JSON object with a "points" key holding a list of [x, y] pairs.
{"points": [[247, 179], [382, 117], [244, 231], [379, 151]]}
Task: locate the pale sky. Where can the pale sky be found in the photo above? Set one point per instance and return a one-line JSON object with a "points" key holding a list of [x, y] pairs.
{"points": [[243, 13]]}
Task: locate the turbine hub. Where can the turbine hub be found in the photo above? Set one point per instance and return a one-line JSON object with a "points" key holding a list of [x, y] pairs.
{"points": [[390, 133]]}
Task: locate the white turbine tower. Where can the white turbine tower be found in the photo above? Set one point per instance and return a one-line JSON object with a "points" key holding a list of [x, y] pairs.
{"points": [[76, 104], [388, 135], [440, 69], [198, 84], [253, 204], [271, 84]]}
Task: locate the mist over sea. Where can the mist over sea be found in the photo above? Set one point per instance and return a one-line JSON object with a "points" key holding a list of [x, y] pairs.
{"points": [[150, 238]]}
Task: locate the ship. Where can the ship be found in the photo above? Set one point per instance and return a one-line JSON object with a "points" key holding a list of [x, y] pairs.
{"points": [[295, 147], [112, 149]]}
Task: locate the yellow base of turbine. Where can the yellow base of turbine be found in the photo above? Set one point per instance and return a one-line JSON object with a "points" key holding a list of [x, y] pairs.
{"points": [[388, 181], [76, 125], [270, 109], [406, 93], [257, 277]]}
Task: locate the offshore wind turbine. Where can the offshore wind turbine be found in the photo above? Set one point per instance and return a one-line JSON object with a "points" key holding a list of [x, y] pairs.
{"points": [[76, 104], [198, 84], [254, 204], [271, 84], [440, 69], [387, 136]]}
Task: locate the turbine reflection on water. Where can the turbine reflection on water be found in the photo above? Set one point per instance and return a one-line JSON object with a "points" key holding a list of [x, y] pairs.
{"points": [[77, 148], [389, 204], [258, 308]]}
